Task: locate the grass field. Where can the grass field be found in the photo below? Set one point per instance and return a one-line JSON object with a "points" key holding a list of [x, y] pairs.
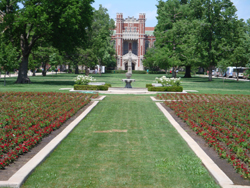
{"points": [[55, 82], [150, 154]]}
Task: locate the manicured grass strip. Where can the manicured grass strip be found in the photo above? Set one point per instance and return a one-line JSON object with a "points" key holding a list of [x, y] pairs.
{"points": [[55, 82], [149, 154]]}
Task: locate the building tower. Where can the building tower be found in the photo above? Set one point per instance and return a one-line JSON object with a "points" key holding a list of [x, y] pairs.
{"points": [[131, 34]]}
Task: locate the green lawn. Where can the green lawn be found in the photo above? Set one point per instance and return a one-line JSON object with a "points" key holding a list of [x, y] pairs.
{"points": [[55, 82], [150, 154]]}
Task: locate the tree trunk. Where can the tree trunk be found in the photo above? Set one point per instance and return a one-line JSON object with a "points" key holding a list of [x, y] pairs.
{"points": [[174, 72], [188, 72], [44, 69], [237, 75], [23, 71], [5, 80], [76, 70], [44, 72], [86, 71], [210, 73], [100, 69]]}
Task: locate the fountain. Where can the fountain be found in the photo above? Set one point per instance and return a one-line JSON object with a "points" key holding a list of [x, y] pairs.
{"points": [[128, 81]]}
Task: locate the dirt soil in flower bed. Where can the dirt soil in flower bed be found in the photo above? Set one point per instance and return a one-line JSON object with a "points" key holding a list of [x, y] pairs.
{"points": [[222, 163], [10, 170]]}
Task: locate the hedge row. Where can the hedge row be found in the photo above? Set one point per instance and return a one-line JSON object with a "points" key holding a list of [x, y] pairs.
{"points": [[149, 85], [134, 72], [92, 87], [169, 89]]}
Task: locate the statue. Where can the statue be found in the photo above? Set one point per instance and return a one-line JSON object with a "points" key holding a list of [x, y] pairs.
{"points": [[128, 81], [129, 73]]}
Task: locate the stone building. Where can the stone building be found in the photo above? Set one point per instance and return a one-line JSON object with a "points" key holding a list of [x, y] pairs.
{"points": [[132, 35]]}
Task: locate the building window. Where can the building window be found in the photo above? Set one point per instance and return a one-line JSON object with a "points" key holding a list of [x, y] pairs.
{"points": [[130, 29], [125, 47], [125, 29], [134, 47], [135, 29]]}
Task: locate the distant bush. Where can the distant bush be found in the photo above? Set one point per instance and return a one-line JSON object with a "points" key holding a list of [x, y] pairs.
{"points": [[125, 71], [149, 85], [138, 72], [92, 87], [157, 72], [169, 89], [39, 70]]}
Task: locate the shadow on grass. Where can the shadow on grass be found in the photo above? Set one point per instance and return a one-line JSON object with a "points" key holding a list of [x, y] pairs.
{"points": [[35, 82]]}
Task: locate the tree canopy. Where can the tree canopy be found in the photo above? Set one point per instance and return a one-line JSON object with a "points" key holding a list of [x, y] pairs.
{"points": [[62, 23], [199, 33]]}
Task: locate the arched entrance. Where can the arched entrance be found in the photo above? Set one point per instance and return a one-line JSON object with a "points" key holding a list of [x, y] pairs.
{"points": [[133, 66]]}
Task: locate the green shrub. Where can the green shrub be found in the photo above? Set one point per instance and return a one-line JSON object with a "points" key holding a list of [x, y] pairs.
{"points": [[109, 85], [149, 85], [125, 71], [138, 72], [39, 70], [119, 71], [169, 89], [157, 72], [91, 87], [109, 71]]}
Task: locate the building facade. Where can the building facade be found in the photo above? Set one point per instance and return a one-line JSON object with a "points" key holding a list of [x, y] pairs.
{"points": [[132, 35]]}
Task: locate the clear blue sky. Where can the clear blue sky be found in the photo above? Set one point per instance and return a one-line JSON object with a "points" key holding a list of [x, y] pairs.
{"points": [[134, 7]]}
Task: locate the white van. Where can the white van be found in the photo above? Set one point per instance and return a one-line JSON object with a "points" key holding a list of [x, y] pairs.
{"points": [[232, 72]]}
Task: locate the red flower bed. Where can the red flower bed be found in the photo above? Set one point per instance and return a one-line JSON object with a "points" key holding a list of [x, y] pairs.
{"points": [[222, 120], [27, 117]]}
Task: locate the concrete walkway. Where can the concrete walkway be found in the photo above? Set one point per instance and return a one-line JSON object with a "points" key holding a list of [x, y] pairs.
{"points": [[120, 90]]}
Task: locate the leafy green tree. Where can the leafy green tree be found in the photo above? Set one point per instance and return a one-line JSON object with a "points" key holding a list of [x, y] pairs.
{"points": [[9, 58], [222, 67], [33, 64], [237, 49], [170, 33], [88, 59], [215, 27], [100, 36], [149, 60], [55, 59], [62, 23]]}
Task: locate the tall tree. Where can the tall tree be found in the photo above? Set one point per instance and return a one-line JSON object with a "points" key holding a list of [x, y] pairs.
{"points": [[9, 58], [168, 39], [62, 23], [102, 29], [214, 28]]}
